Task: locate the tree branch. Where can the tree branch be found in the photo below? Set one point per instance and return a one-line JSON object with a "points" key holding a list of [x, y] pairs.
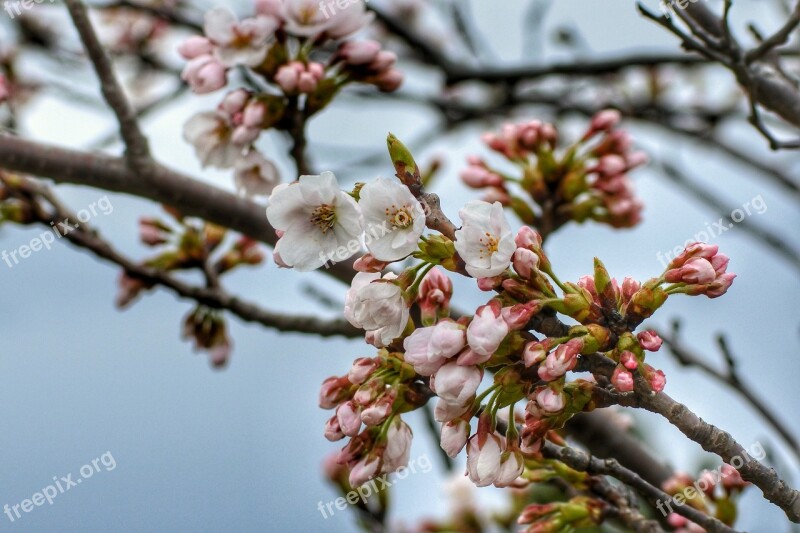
{"points": [[583, 462], [137, 149]]}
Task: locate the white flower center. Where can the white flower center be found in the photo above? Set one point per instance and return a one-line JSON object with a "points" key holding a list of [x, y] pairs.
{"points": [[400, 217], [324, 217], [488, 245]]}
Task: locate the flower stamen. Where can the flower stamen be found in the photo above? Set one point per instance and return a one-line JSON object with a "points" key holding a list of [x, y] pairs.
{"points": [[324, 217]]}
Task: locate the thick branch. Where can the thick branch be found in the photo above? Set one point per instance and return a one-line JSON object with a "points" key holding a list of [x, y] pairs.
{"points": [[158, 183]]}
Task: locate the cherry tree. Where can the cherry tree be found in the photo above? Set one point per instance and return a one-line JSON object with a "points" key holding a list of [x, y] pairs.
{"points": [[526, 388]]}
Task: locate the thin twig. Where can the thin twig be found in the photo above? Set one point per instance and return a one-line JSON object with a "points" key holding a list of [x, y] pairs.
{"points": [[136, 145], [688, 358]]}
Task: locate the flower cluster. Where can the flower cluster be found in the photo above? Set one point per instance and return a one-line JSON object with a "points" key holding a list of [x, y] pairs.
{"points": [[586, 180], [451, 357], [319, 223], [282, 48], [188, 245], [372, 395], [514, 338]]}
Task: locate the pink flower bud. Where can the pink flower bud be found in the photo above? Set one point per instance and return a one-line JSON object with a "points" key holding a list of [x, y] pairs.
{"points": [[655, 378], [306, 83], [605, 120], [731, 478], [254, 114], [349, 418], [636, 159], [379, 411], [720, 263], [454, 437], [720, 286], [195, 46], [550, 401], [333, 431], [517, 316], [358, 53], [526, 263], [334, 391], [205, 74], [234, 103], [389, 81], [562, 360], [629, 287], [288, 77], [368, 263], [528, 238], [483, 458], [649, 340], [362, 368], [697, 249], [535, 352], [446, 411], [383, 61], [628, 360], [364, 470], [611, 165], [489, 284], [487, 329], [398, 446], [455, 383], [696, 271], [622, 379], [478, 176]]}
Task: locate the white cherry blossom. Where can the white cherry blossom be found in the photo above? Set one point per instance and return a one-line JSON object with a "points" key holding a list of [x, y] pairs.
{"points": [[211, 134], [376, 305], [318, 220], [308, 18], [255, 175], [393, 218], [239, 43], [485, 241]]}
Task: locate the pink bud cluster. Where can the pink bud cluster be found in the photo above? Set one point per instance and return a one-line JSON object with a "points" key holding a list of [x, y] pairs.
{"points": [[702, 269], [608, 175], [587, 180], [366, 62], [364, 398], [298, 77]]}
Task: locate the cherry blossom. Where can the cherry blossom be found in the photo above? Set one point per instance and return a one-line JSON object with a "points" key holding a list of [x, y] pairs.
{"points": [[255, 175], [485, 241], [377, 305], [316, 219], [393, 218], [238, 43]]}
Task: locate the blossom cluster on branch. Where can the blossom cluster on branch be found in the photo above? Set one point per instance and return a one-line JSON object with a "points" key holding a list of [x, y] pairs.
{"points": [[450, 357], [289, 73]]}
